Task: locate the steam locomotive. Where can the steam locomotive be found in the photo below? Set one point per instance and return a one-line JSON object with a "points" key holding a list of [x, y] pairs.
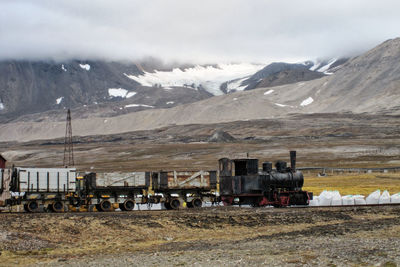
{"points": [[241, 182]]}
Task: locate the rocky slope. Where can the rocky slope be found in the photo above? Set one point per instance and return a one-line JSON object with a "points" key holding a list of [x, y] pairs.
{"points": [[368, 83], [30, 87]]}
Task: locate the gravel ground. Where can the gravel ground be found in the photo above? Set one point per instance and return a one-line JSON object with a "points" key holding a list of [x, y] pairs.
{"points": [[360, 236]]}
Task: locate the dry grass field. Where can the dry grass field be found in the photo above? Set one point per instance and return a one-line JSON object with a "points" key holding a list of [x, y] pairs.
{"points": [[353, 184]]}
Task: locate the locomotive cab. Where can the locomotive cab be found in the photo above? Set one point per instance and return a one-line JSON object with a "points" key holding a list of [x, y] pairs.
{"points": [[237, 167]]}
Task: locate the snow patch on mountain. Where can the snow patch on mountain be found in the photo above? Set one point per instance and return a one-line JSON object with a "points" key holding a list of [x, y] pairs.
{"points": [[120, 92], [58, 100], [117, 92], [281, 105], [307, 101], [85, 66], [138, 105], [269, 92], [208, 77], [323, 65], [315, 66], [236, 85], [63, 67], [130, 94], [1, 106], [327, 66]]}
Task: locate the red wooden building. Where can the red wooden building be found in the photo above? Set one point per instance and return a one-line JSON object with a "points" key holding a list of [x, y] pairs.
{"points": [[2, 162]]}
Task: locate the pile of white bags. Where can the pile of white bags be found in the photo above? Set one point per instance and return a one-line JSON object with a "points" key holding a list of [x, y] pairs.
{"points": [[333, 198], [329, 198], [395, 198], [385, 198], [373, 198]]}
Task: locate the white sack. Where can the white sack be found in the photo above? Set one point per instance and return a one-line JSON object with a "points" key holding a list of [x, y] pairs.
{"points": [[359, 200], [314, 202], [336, 199], [384, 198], [348, 200], [325, 198], [373, 198], [395, 198]]}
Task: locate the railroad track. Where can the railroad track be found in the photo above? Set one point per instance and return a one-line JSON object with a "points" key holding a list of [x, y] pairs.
{"points": [[203, 209]]}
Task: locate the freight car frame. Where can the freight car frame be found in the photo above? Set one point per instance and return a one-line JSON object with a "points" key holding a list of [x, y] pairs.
{"points": [[45, 189], [191, 187], [90, 197]]}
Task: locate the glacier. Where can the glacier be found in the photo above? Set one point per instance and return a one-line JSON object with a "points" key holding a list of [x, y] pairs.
{"points": [[208, 77]]}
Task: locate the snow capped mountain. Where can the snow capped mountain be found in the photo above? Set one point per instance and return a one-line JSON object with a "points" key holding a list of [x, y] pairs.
{"points": [[365, 84], [210, 78], [327, 66], [36, 86]]}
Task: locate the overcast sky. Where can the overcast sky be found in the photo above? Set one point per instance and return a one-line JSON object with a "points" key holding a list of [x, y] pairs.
{"points": [[206, 31]]}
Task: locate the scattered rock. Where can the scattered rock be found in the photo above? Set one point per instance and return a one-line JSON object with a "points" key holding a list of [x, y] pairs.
{"points": [[221, 136]]}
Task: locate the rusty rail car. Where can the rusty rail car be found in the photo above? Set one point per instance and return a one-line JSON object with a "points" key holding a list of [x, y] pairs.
{"points": [[62, 189], [191, 187]]}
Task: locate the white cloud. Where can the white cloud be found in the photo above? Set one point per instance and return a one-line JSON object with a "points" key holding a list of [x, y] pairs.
{"points": [[201, 31]]}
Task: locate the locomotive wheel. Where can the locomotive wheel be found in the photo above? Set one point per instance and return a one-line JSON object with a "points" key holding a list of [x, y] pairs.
{"points": [[31, 206], [175, 204], [57, 206], [197, 203], [128, 205], [167, 205], [105, 205]]}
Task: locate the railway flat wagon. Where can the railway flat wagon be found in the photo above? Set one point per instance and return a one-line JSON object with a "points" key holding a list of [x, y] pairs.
{"points": [[190, 187], [38, 188], [110, 191]]}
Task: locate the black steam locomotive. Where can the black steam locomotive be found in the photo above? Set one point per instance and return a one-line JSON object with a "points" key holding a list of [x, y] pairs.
{"points": [[242, 183]]}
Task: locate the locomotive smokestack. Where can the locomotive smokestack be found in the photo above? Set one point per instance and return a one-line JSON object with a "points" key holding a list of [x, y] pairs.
{"points": [[293, 160]]}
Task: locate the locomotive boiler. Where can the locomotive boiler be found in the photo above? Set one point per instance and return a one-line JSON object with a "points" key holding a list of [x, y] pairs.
{"points": [[241, 182]]}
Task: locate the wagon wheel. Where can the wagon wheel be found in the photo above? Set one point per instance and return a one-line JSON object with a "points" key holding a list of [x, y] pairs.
{"points": [[57, 206], [175, 204], [128, 205], [105, 205], [32, 206], [197, 203]]}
